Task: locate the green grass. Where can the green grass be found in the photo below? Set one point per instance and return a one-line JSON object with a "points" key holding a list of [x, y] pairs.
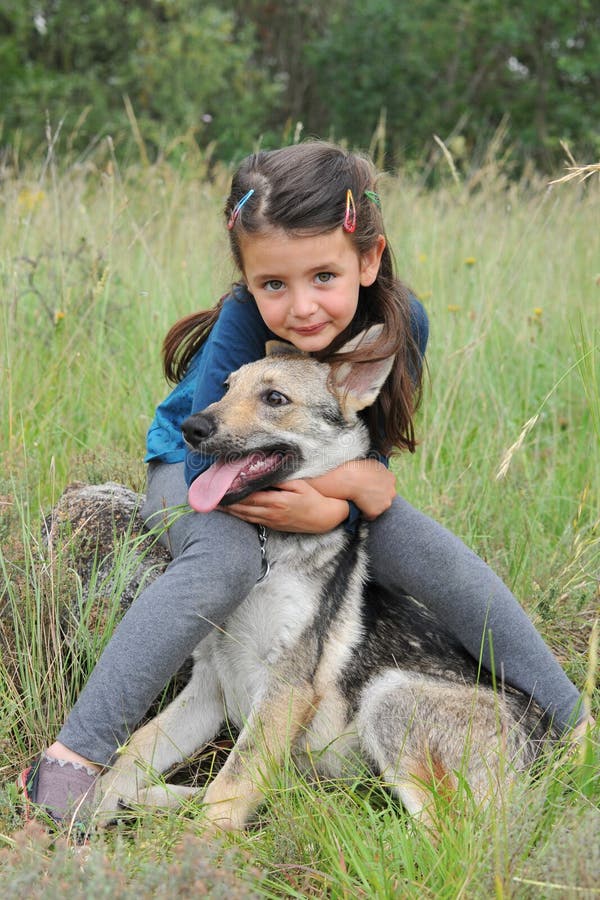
{"points": [[95, 265]]}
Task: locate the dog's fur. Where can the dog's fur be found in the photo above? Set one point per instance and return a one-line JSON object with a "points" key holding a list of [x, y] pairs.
{"points": [[317, 658]]}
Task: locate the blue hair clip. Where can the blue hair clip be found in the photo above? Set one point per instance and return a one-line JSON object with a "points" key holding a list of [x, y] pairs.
{"points": [[238, 206]]}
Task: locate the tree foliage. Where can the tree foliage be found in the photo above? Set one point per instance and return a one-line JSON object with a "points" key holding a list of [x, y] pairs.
{"points": [[176, 66], [460, 67], [230, 74]]}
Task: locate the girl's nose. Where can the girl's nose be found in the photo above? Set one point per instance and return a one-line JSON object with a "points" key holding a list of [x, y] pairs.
{"points": [[302, 305]]}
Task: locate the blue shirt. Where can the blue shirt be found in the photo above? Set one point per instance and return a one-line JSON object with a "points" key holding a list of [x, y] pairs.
{"points": [[238, 336]]}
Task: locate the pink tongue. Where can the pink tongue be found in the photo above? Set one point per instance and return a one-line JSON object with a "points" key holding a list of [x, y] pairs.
{"points": [[207, 490]]}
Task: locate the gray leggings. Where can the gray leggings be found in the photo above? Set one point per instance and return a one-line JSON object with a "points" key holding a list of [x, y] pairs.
{"points": [[217, 562]]}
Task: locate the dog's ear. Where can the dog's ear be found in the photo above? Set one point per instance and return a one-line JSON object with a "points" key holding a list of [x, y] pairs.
{"points": [[369, 336], [360, 382], [280, 348]]}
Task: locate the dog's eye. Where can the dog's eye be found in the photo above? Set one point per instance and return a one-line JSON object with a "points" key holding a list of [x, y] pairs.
{"points": [[275, 398], [226, 386]]}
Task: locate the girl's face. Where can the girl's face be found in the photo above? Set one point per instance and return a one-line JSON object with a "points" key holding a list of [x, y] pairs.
{"points": [[306, 288]]}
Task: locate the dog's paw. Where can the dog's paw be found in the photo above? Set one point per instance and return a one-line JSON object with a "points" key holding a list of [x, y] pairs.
{"points": [[225, 815], [218, 822], [118, 799], [116, 792]]}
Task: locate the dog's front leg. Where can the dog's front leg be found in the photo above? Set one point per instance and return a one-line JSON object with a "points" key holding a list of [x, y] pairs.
{"points": [[189, 722], [272, 727]]}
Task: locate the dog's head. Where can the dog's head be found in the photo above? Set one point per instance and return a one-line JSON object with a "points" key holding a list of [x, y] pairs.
{"points": [[284, 416]]}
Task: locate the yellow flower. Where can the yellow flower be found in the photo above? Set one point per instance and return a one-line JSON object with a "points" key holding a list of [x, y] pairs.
{"points": [[424, 295], [422, 257], [29, 200], [470, 261], [538, 311], [452, 307], [58, 315]]}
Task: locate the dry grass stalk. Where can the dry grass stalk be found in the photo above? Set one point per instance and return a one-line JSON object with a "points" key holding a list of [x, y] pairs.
{"points": [[448, 157], [507, 458], [581, 173]]}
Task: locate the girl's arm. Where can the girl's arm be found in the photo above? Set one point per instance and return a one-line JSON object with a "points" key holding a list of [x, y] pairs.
{"points": [[366, 482]]}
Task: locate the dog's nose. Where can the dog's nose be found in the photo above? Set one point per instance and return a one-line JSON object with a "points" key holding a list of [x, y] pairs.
{"points": [[197, 428]]}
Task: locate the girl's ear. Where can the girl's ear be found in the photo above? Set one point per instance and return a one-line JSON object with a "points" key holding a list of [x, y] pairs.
{"points": [[370, 261]]}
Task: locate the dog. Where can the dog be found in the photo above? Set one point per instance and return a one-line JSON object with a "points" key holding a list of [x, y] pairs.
{"points": [[318, 659]]}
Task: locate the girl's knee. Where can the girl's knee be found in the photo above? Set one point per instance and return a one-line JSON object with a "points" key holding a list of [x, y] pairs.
{"points": [[227, 555]]}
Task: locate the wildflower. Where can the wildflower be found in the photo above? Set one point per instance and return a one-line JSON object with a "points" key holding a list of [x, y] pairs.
{"points": [[59, 314], [452, 307], [29, 200], [537, 311], [424, 295], [422, 257], [470, 261]]}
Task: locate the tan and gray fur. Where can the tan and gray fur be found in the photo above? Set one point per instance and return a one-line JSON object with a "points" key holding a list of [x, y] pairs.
{"points": [[317, 658]]}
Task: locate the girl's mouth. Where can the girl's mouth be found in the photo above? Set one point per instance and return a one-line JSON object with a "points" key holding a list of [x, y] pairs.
{"points": [[311, 329]]}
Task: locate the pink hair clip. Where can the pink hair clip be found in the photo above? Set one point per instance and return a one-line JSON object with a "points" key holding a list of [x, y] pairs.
{"points": [[236, 209], [350, 215]]}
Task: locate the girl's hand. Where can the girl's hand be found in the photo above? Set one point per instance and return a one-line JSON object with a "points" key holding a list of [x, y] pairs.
{"points": [[316, 505], [294, 506], [367, 482]]}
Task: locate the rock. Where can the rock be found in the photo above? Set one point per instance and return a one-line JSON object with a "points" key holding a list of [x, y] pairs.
{"points": [[96, 529]]}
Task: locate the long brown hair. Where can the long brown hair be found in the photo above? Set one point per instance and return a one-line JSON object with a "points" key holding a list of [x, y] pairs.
{"points": [[302, 189]]}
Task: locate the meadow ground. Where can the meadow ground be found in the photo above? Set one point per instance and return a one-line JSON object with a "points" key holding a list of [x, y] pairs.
{"points": [[95, 264]]}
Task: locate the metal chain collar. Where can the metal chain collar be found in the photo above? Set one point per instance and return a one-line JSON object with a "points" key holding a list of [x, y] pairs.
{"points": [[266, 565]]}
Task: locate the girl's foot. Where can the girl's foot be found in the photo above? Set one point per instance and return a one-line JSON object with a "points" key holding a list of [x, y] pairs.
{"points": [[62, 789]]}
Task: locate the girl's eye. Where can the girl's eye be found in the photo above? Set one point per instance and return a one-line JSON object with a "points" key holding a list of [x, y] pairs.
{"points": [[275, 398], [273, 285], [324, 277]]}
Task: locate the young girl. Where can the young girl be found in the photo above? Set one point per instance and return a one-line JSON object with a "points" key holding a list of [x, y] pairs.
{"points": [[307, 234]]}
